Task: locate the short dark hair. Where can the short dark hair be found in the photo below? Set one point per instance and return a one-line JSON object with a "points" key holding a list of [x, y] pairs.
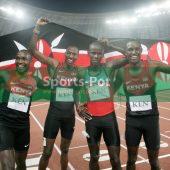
{"points": [[73, 46], [26, 52], [134, 41], [97, 43]]}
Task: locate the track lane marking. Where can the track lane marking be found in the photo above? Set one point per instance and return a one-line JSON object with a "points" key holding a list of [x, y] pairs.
{"points": [[55, 146], [142, 161]]}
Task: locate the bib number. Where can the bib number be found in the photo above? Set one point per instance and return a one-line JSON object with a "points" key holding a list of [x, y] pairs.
{"points": [[64, 94], [98, 92], [18, 102], [140, 103]]}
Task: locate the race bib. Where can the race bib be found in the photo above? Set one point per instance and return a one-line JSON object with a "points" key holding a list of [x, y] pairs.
{"points": [[18, 102], [98, 92], [140, 103], [64, 94]]}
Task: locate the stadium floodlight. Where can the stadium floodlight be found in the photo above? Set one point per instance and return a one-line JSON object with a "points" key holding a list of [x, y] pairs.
{"points": [[165, 5], [149, 9], [133, 19], [2, 8], [19, 13], [9, 10], [152, 10], [158, 13], [112, 21], [115, 21], [108, 21], [122, 20], [12, 11]]}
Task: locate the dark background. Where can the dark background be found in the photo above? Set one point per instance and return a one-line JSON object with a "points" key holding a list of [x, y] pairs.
{"points": [[88, 6]]}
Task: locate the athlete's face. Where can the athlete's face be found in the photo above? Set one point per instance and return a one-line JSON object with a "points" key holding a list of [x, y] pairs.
{"points": [[96, 53], [71, 55], [22, 62], [134, 51]]}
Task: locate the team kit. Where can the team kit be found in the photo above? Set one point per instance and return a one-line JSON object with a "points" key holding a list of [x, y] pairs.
{"points": [[88, 92]]}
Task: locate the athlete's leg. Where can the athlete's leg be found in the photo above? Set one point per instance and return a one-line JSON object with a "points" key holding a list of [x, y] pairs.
{"points": [[20, 158], [51, 128], [95, 133], [7, 159], [132, 157], [64, 147], [152, 139], [112, 139], [133, 136], [114, 154], [153, 159], [47, 151], [21, 146], [94, 157], [67, 130]]}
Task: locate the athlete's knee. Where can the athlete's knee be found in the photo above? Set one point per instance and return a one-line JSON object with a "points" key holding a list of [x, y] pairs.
{"points": [[64, 149], [47, 154], [21, 164], [7, 160], [132, 160], [114, 153], [6, 165], [153, 159], [115, 160], [155, 165], [94, 158], [154, 162], [132, 155]]}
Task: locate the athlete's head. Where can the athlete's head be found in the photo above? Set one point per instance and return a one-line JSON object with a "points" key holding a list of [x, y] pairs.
{"points": [[71, 55], [96, 53], [134, 50], [23, 59]]}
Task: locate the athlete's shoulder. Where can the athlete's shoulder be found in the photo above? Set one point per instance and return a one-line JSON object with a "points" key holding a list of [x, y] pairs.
{"points": [[119, 73], [4, 77], [81, 71], [153, 64], [31, 80], [107, 68], [7, 75], [122, 69], [4, 73]]}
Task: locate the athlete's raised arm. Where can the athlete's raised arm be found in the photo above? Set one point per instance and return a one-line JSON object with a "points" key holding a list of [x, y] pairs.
{"points": [[160, 66], [38, 55], [115, 63]]}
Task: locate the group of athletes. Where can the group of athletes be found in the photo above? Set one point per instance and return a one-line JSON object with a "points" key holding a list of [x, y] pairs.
{"points": [[92, 100]]}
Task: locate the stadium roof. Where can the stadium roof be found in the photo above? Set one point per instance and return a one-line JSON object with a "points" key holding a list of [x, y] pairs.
{"points": [[132, 19], [87, 6]]}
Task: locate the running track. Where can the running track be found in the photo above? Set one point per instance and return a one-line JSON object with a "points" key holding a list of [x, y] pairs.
{"points": [[79, 155]]}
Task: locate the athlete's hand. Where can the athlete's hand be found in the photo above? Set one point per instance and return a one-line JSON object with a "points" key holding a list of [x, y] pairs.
{"points": [[104, 41], [83, 113], [42, 21]]}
